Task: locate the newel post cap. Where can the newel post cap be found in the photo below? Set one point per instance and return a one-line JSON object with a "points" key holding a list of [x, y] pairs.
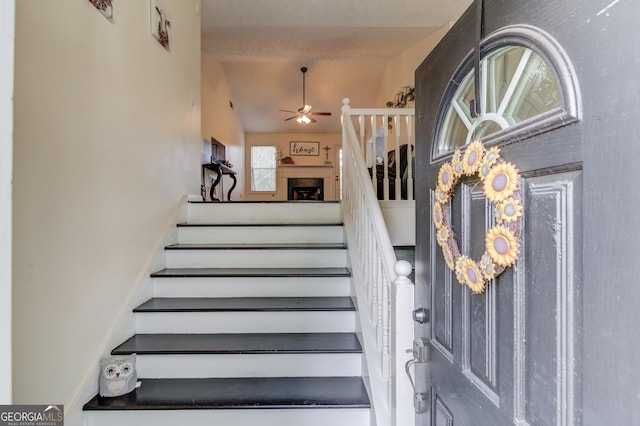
{"points": [[402, 268], [345, 105]]}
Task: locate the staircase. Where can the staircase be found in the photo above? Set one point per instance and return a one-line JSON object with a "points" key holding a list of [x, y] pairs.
{"points": [[251, 323]]}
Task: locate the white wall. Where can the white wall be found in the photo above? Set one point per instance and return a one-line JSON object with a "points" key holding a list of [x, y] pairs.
{"points": [[400, 71], [107, 140], [221, 121], [7, 9], [281, 142]]}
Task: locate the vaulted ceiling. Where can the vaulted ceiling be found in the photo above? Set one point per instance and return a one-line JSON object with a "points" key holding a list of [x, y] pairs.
{"points": [[345, 44]]}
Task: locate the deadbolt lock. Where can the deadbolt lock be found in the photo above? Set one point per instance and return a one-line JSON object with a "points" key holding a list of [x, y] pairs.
{"points": [[421, 315]]}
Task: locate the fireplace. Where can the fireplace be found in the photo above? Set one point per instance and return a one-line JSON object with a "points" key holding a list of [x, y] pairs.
{"points": [[305, 189]]}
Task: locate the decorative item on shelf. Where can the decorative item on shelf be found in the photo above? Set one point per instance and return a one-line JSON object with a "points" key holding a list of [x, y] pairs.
{"points": [[500, 181], [105, 7], [404, 98], [288, 160], [327, 148]]}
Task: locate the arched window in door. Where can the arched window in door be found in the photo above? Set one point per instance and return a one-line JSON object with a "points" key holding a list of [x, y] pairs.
{"points": [[527, 86]]}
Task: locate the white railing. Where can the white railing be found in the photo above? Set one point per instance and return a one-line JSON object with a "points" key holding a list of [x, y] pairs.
{"points": [[384, 295], [386, 138]]}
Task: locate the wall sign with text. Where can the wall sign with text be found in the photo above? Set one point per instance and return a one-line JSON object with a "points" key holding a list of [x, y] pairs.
{"points": [[304, 148]]}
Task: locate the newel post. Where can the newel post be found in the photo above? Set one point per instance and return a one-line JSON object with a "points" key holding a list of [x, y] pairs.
{"points": [[402, 303], [345, 105]]}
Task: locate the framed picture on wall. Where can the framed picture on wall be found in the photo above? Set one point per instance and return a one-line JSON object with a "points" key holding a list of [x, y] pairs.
{"points": [[160, 24], [218, 153], [304, 148], [105, 7]]}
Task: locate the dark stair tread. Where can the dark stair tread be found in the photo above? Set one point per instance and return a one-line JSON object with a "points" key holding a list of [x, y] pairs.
{"points": [[218, 203], [238, 393], [257, 246], [246, 304], [407, 253], [252, 272], [250, 343], [256, 225]]}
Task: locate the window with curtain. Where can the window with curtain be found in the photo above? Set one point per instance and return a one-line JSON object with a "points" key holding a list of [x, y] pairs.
{"points": [[263, 168]]}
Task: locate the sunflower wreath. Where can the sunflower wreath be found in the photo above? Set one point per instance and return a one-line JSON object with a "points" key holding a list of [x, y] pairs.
{"points": [[500, 181]]}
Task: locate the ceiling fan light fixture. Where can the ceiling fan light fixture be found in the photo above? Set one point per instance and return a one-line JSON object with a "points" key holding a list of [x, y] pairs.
{"points": [[304, 114], [303, 119]]}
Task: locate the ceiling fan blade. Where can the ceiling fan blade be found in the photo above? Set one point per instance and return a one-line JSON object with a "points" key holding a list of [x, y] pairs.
{"points": [[320, 113], [286, 110], [313, 120], [290, 118]]}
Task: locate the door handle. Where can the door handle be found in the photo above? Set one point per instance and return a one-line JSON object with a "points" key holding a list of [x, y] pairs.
{"points": [[420, 355], [419, 398]]}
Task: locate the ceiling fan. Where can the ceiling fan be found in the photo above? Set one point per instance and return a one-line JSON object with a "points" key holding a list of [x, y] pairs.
{"points": [[304, 114]]}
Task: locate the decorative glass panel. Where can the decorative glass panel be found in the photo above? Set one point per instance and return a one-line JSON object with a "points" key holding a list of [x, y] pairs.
{"points": [[517, 85]]}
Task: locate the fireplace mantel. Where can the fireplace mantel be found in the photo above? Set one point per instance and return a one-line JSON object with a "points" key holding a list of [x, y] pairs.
{"points": [[324, 171], [317, 166]]}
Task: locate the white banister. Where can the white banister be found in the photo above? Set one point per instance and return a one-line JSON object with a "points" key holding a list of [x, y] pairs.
{"points": [[383, 291], [386, 132]]}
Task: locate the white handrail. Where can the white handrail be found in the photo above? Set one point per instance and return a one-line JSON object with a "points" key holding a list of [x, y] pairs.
{"points": [[384, 294]]}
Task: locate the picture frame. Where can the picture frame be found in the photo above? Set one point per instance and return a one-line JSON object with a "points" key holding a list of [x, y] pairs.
{"points": [[106, 8], [304, 148], [160, 24]]}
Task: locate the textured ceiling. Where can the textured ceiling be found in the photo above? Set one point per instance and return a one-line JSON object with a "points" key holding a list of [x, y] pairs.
{"points": [[345, 44]]}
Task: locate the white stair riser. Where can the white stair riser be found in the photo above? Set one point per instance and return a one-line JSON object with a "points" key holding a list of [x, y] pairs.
{"points": [[245, 322], [252, 287], [256, 258], [260, 234], [258, 213], [233, 417], [249, 365]]}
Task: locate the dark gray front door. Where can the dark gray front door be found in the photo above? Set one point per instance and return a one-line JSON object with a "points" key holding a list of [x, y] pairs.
{"points": [[554, 339]]}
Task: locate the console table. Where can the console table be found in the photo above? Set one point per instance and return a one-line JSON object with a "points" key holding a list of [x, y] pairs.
{"points": [[220, 170]]}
